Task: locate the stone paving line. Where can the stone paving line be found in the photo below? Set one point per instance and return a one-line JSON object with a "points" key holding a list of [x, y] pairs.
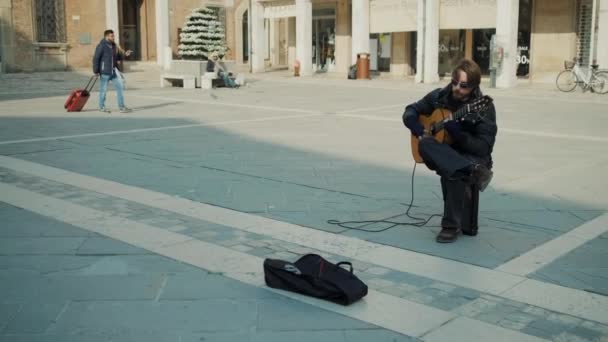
{"points": [[55, 83], [154, 129], [384, 311], [552, 297], [503, 312], [107, 290]]}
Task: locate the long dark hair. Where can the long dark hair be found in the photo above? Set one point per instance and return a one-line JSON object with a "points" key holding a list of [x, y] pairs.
{"points": [[470, 68]]}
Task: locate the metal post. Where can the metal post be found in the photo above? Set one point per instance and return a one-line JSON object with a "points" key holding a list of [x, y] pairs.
{"points": [[493, 61], [593, 45]]}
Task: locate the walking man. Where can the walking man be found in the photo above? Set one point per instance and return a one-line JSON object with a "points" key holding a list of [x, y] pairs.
{"points": [[105, 63]]}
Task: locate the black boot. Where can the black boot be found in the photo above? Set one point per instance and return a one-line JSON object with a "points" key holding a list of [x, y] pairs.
{"points": [[447, 235], [470, 231]]}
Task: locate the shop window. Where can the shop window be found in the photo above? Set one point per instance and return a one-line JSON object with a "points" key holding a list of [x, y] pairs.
{"points": [[523, 37], [323, 39], [481, 48], [451, 50]]}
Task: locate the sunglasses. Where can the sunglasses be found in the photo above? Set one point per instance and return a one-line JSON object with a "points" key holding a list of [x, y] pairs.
{"points": [[463, 85]]}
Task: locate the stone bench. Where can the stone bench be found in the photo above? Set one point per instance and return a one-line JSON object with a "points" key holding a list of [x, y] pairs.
{"points": [[211, 80], [194, 68], [188, 80]]}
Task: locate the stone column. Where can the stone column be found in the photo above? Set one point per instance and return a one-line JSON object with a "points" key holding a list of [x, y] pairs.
{"points": [[304, 36], [274, 42], [360, 36], [7, 42], [400, 54], [112, 18], [431, 42], [230, 34], [258, 54], [420, 18], [507, 20], [164, 54], [602, 34], [291, 41], [468, 44], [343, 53]]}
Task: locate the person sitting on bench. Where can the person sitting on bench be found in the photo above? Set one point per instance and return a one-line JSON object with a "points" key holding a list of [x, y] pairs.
{"points": [[213, 65]]}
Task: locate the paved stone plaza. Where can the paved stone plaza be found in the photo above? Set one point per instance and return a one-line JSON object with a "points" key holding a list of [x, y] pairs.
{"points": [[153, 225]]}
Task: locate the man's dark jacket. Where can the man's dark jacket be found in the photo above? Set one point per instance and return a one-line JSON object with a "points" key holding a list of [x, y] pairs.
{"points": [[475, 139], [106, 58]]}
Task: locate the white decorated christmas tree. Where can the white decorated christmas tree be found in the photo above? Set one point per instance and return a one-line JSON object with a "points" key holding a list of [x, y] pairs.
{"points": [[203, 34]]}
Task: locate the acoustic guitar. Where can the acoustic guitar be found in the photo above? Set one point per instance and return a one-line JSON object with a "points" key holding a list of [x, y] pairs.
{"points": [[433, 124]]}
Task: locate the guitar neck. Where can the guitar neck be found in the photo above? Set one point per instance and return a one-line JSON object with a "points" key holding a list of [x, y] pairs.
{"points": [[462, 112], [468, 109]]}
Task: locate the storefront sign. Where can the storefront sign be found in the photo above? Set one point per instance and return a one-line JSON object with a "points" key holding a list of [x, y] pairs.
{"points": [[523, 56], [281, 10], [467, 14], [393, 16]]}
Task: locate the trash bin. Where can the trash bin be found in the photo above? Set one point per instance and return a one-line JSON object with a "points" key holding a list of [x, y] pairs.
{"points": [[363, 66]]}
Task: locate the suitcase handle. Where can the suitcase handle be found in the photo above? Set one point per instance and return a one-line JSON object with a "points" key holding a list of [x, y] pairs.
{"points": [[92, 79]]}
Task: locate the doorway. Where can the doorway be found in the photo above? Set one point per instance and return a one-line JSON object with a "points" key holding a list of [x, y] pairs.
{"points": [[130, 28], [283, 47], [481, 48], [324, 39], [245, 31]]}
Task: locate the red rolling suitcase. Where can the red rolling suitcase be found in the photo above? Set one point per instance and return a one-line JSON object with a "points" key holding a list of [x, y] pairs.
{"points": [[79, 97]]}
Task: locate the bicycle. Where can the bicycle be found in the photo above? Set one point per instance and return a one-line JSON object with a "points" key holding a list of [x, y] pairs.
{"points": [[592, 78]]}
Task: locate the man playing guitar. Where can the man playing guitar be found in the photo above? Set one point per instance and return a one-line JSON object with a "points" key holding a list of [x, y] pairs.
{"points": [[464, 165]]}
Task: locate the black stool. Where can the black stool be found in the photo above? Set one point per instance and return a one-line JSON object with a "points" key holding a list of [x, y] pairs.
{"points": [[471, 211]]}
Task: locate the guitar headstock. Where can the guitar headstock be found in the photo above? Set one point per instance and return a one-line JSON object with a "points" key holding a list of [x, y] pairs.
{"points": [[480, 105], [471, 111]]}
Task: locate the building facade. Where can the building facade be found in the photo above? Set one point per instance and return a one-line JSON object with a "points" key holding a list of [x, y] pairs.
{"points": [[423, 39]]}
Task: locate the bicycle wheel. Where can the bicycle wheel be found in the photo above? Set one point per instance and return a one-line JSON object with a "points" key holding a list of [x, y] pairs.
{"points": [[599, 82], [566, 81]]}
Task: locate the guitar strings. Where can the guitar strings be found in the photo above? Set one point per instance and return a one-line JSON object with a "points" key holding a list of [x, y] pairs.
{"points": [[360, 225]]}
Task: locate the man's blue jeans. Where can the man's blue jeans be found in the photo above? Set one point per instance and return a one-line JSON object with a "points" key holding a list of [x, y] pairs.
{"points": [[229, 82], [103, 88]]}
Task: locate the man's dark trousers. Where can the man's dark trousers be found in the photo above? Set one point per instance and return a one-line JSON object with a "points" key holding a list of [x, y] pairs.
{"points": [[458, 192]]}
